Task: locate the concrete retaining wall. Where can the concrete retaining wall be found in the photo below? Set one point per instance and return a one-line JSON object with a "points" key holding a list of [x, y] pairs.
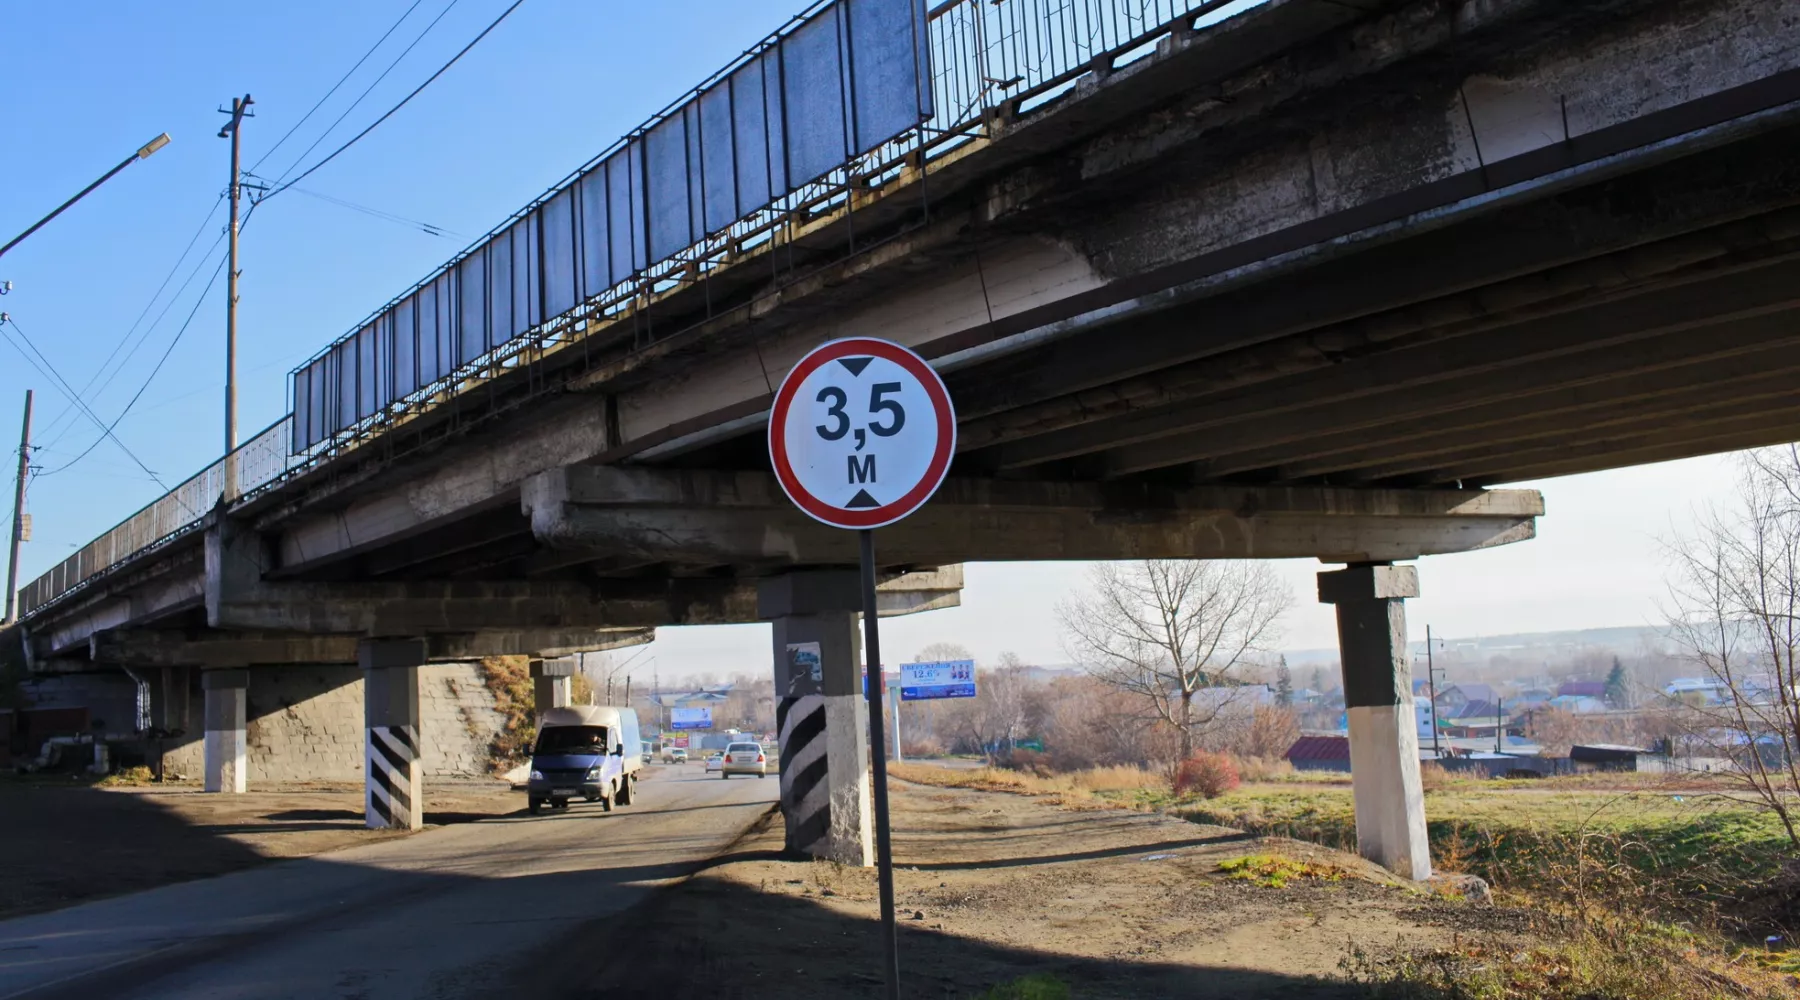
{"points": [[306, 724]]}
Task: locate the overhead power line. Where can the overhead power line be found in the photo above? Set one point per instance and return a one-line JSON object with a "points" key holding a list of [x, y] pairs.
{"points": [[49, 371], [403, 101], [144, 337], [112, 355], [424, 227], [366, 91], [107, 429], [334, 87]]}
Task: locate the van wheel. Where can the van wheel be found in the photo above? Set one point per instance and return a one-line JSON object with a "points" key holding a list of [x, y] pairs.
{"points": [[536, 806], [625, 790], [606, 799]]}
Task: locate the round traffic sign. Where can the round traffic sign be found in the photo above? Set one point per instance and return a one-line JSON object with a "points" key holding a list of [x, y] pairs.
{"points": [[862, 433]]}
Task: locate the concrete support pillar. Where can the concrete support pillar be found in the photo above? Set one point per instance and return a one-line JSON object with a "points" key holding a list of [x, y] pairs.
{"points": [[551, 683], [170, 703], [225, 743], [392, 796], [1384, 740], [821, 714]]}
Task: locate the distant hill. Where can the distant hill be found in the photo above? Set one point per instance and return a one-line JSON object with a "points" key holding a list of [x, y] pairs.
{"points": [[1621, 639]]}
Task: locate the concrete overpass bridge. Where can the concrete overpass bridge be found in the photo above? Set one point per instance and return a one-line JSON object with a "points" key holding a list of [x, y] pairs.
{"points": [[1297, 279]]}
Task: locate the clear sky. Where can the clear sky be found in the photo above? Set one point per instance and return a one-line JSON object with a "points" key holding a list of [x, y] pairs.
{"points": [[85, 83]]}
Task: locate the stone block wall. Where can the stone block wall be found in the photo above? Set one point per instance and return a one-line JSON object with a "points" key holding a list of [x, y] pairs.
{"points": [[457, 714], [305, 723]]}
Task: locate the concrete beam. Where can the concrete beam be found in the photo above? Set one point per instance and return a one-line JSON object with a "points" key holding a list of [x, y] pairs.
{"points": [[207, 649], [741, 517]]}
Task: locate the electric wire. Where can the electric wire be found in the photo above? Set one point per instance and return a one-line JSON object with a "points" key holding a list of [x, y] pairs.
{"points": [[108, 428], [403, 101], [359, 98], [199, 266], [428, 228], [51, 426], [334, 87], [49, 371]]}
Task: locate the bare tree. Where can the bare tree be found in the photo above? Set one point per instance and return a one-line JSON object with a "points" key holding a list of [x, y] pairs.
{"points": [[1736, 595], [995, 717], [1164, 630]]}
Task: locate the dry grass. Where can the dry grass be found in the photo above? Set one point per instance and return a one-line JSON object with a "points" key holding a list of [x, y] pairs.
{"points": [[1095, 788], [1570, 966]]}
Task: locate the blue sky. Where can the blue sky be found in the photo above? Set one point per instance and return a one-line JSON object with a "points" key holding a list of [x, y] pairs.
{"points": [[86, 83]]}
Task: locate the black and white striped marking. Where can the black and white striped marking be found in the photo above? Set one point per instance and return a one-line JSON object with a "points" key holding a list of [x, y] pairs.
{"points": [[392, 753], [805, 794]]}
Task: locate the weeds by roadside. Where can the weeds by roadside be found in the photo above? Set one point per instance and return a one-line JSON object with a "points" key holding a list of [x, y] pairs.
{"points": [[1037, 986], [1584, 966], [1274, 871]]}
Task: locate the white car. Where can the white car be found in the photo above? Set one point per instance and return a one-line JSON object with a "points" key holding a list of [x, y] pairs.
{"points": [[744, 758], [715, 761]]}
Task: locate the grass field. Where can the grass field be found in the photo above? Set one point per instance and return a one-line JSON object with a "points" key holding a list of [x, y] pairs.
{"points": [[1633, 866]]}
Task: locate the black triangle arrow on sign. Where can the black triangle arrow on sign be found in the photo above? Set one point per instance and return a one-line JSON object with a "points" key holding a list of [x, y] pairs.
{"points": [[856, 366], [862, 497]]}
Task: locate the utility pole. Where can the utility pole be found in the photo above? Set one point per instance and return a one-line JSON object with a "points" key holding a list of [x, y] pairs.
{"points": [[18, 525], [1437, 748], [239, 111]]}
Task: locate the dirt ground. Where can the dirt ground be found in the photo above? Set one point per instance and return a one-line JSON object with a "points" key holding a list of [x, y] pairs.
{"points": [[991, 887], [65, 844]]}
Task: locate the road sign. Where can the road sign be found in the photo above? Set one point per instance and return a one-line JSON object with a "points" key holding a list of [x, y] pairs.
{"points": [[943, 679], [690, 718], [861, 433]]}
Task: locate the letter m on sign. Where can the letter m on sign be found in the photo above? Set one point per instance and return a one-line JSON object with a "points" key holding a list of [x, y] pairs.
{"points": [[864, 471]]}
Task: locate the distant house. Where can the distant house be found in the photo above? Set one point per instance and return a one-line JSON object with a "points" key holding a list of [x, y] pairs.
{"points": [[1577, 704], [1451, 700], [1582, 689], [1533, 697], [1320, 753]]}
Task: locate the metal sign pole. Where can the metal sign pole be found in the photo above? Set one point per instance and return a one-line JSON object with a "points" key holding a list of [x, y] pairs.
{"points": [[884, 848]]}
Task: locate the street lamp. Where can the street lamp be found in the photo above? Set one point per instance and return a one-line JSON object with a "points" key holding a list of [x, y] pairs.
{"points": [[143, 153]]}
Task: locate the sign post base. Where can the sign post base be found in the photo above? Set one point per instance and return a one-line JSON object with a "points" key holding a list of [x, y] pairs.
{"points": [[884, 847]]}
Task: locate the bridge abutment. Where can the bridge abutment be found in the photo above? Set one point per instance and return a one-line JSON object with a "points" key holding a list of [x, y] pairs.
{"points": [[392, 796], [1384, 740], [821, 714], [226, 749]]}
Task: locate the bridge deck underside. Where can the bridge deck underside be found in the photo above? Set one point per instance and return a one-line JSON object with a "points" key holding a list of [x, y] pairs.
{"points": [[1646, 316]]}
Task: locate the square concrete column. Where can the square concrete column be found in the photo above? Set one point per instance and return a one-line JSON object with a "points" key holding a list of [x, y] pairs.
{"points": [[551, 684], [225, 742], [821, 714], [392, 796], [1384, 739], [171, 701]]}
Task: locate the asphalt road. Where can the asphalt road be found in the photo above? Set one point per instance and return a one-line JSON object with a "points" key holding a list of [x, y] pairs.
{"points": [[460, 911]]}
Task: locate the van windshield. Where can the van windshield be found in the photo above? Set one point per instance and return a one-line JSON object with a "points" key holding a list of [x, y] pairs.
{"points": [[572, 739]]}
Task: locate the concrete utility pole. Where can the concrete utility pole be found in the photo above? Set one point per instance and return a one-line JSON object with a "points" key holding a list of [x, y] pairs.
{"points": [[239, 111], [18, 525]]}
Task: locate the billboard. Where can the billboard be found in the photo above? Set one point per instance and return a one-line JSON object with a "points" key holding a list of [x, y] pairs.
{"points": [[690, 718], [943, 679]]}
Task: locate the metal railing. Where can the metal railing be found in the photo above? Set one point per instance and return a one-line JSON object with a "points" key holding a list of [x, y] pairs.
{"points": [[985, 55]]}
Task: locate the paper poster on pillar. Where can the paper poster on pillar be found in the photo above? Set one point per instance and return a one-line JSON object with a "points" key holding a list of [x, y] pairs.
{"points": [[805, 669]]}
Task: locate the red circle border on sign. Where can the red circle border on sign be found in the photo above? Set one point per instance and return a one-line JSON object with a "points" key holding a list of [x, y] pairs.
{"points": [[874, 517]]}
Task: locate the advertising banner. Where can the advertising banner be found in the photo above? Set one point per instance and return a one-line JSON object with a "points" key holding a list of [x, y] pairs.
{"points": [[690, 718], [945, 679]]}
